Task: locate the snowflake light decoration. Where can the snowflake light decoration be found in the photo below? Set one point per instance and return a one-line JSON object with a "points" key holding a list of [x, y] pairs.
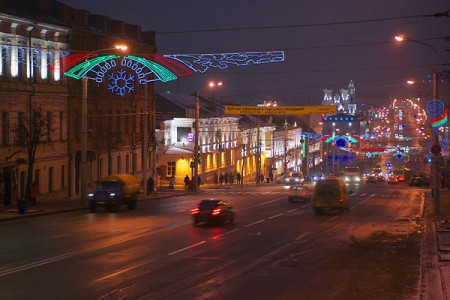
{"points": [[120, 84]]}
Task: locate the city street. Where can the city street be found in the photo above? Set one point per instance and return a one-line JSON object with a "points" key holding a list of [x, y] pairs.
{"points": [[275, 250]]}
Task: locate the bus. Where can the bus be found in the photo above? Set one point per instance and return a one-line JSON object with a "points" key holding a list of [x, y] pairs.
{"points": [[402, 174]]}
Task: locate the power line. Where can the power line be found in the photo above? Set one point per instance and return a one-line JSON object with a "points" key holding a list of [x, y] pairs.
{"points": [[304, 25]]}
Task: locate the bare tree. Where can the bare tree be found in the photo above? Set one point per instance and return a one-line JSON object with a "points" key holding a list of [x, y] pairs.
{"points": [[32, 130]]}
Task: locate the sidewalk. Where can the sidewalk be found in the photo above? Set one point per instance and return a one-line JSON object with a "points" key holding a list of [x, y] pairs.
{"points": [[436, 249], [11, 212]]}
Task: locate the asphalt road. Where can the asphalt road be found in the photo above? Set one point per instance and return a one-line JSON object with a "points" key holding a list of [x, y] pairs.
{"points": [[275, 250]]}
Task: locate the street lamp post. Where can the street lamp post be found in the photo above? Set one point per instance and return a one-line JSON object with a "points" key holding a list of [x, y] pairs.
{"points": [[84, 109], [196, 136], [436, 157]]}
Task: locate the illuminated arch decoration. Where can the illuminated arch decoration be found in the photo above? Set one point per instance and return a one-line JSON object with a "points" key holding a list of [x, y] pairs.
{"points": [[348, 139], [154, 67]]}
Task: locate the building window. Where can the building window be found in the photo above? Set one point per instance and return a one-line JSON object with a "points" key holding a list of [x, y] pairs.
{"points": [[49, 126], [37, 176], [171, 168], [134, 163], [23, 176], [63, 177], [5, 129], [21, 129], [50, 179]]}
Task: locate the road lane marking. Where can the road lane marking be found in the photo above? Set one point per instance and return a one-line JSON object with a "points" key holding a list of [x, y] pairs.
{"points": [[188, 247], [255, 223], [362, 195], [223, 234], [302, 235], [121, 272], [276, 216], [292, 210], [84, 251], [373, 195], [268, 202], [60, 235]]}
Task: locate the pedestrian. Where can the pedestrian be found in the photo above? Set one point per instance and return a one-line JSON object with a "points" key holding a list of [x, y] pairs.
{"points": [[199, 180], [238, 178], [225, 178], [150, 185], [231, 178], [261, 178], [186, 182], [171, 182], [34, 190], [221, 178]]}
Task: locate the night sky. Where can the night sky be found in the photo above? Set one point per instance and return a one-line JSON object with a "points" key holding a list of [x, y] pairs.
{"points": [[327, 44]]}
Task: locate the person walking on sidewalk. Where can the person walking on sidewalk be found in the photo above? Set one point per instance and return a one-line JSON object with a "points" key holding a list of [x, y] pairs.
{"points": [[150, 185], [34, 190], [171, 182], [186, 182]]}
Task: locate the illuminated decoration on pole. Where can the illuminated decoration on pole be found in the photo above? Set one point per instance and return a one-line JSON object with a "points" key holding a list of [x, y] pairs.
{"points": [[153, 67], [346, 139], [437, 113]]}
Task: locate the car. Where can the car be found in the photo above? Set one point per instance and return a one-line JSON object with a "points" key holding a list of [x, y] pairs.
{"points": [[318, 177], [371, 179], [299, 193], [280, 178], [331, 194], [307, 179], [294, 178], [211, 211], [392, 180], [419, 181]]}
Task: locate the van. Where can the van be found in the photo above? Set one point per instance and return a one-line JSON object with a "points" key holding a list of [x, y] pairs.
{"points": [[330, 194], [294, 178]]}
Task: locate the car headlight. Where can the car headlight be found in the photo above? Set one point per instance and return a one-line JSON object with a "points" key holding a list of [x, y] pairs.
{"points": [[91, 195], [296, 179], [357, 178], [346, 178], [112, 195]]}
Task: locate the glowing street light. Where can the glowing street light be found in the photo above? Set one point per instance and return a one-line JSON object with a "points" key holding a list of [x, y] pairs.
{"points": [[211, 84], [436, 157], [83, 160]]}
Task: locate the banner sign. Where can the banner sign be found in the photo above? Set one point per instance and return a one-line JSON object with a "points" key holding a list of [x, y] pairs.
{"points": [[279, 110]]}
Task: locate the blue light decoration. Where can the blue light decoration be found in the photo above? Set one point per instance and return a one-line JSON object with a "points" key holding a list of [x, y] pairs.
{"points": [[120, 84], [202, 62], [154, 67]]}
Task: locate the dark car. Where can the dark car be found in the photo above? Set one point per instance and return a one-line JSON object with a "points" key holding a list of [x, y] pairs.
{"points": [[371, 179], [419, 181], [213, 211]]}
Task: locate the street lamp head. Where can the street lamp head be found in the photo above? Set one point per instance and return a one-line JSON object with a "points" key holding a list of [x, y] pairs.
{"points": [[400, 38], [214, 84], [121, 47]]}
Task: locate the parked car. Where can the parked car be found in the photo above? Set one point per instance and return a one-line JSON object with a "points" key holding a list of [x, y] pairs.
{"points": [[212, 211], [299, 193], [419, 181]]}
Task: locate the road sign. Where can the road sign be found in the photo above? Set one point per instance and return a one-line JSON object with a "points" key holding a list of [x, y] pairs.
{"points": [[279, 110]]}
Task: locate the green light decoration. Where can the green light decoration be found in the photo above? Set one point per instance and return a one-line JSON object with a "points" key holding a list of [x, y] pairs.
{"points": [[161, 72], [80, 70]]}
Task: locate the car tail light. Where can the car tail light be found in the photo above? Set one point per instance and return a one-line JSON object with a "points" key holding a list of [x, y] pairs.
{"points": [[216, 211], [194, 211], [341, 200]]}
